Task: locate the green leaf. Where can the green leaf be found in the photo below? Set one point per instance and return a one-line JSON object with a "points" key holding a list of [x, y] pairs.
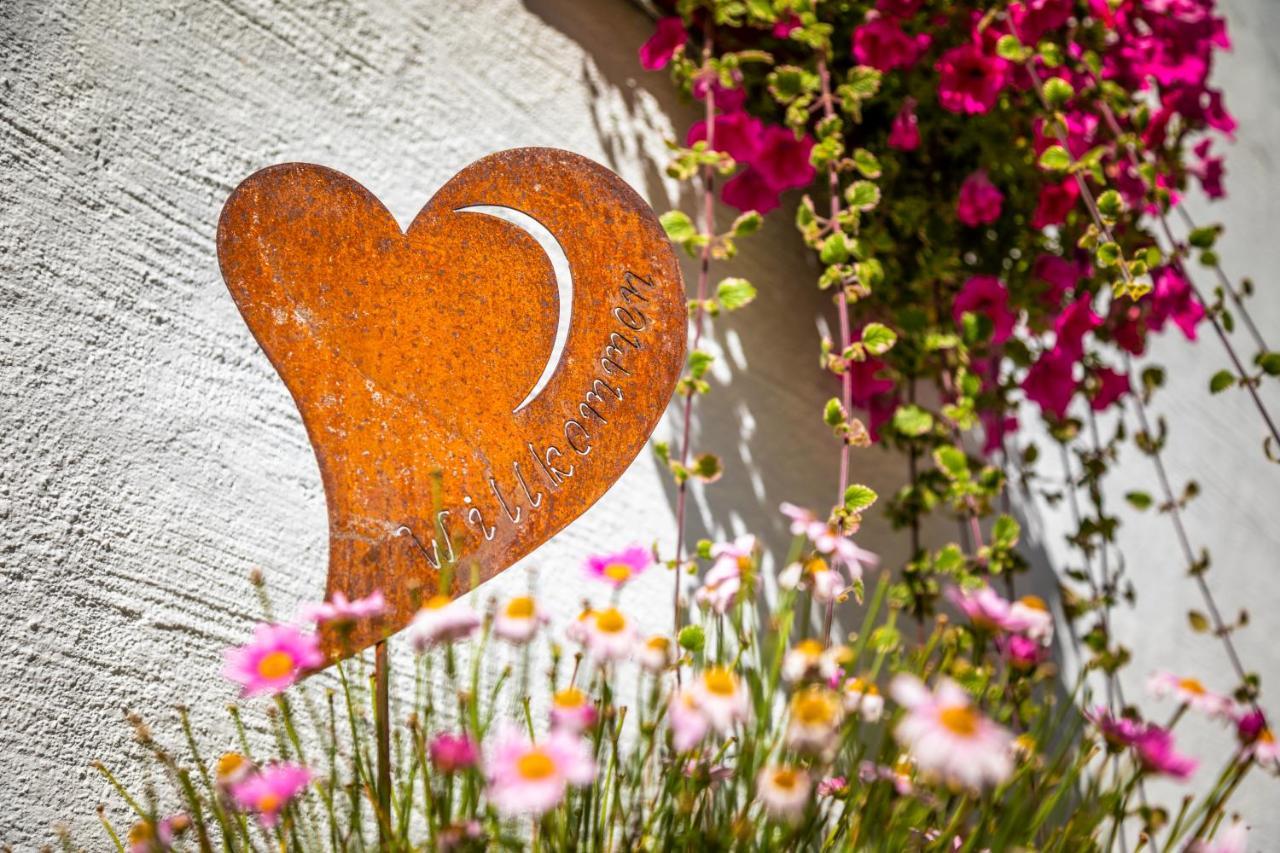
{"points": [[835, 249], [1108, 255], [1055, 158], [1008, 47], [1057, 92], [859, 497], [878, 338], [1203, 237], [707, 467], [834, 414], [953, 461], [1110, 204], [1270, 363], [734, 293], [949, 560], [699, 361], [747, 223], [1221, 381], [1005, 532], [864, 81], [1198, 621], [866, 163], [678, 225], [862, 195], [1138, 500], [911, 420]]}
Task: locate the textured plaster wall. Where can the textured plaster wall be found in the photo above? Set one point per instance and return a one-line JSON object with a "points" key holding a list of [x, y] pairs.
{"points": [[149, 456]]}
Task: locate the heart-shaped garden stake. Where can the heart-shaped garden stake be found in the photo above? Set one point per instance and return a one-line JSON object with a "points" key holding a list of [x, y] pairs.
{"points": [[465, 401]]}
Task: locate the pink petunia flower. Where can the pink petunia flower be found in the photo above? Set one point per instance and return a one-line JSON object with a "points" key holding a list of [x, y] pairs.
{"points": [[737, 134], [442, 620], [273, 661], [748, 190], [450, 753], [898, 8], [1031, 19], [1050, 383], [621, 567], [881, 44], [1112, 385], [1171, 299], [1055, 202], [1190, 692], [1155, 750], [728, 99], [531, 778], [904, 132], [1070, 327], [970, 81], [1062, 276], [341, 610], [783, 160], [785, 25], [669, 36], [986, 296], [947, 735], [979, 201], [269, 791], [571, 709]]}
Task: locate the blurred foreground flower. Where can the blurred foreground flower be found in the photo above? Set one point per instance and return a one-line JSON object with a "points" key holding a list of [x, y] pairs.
{"points": [[531, 778], [947, 735], [273, 661]]}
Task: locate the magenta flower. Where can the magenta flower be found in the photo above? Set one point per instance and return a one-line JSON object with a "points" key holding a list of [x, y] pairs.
{"points": [[1118, 732], [970, 80], [737, 134], [1055, 202], [1258, 740], [904, 133], [1155, 749], [985, 296], [898, 8], [881, 44], [531, 778], [662, 45], [450, 753], [748, 190], [1070, 327], [621, 567], [1171, 299], [785, 25], [783, 160], [269, 791], [340, 609], [1060, 274], [273, 661], [1031, 19], [832, 786], [728, 100], [1112, 385], [1020, 651], [1209, 171], [1050, 383], [979, 201]]}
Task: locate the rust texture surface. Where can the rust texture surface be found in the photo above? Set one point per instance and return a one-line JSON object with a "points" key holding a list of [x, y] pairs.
{"points": [[454, 427]]}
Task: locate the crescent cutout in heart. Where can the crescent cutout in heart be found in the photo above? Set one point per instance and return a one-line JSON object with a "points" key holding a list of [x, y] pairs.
{"points": [[464, 400]]}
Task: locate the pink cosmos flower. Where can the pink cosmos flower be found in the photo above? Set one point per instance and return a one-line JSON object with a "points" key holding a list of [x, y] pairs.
{"points": [[783, 160], [621, 567], [1112, 385], [979, 201], [273, 661], [1190, 692], [783, 790], [269, 791], [450, 753], [904, 133], [1171, 299], [986, 296], [1055, 202], [748, 190], [442, 620], [339, 609], [1155, 749], [881, 44], [610, 636], [970, 81], [1050, 383], [1070, 327], [737, 134], [531, 778], [572, 709], [688, 724], [518, 619], [662, 45], [947, 735]]}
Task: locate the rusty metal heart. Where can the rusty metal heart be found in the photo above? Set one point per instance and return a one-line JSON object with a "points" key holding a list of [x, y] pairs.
{"points": [[464, 400]]}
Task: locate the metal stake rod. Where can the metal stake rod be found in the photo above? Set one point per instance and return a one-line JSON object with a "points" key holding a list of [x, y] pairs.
{"points": [[381, 677]]}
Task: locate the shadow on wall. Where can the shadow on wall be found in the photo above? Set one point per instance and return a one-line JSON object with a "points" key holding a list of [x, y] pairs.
{"points": [[763, 416]]}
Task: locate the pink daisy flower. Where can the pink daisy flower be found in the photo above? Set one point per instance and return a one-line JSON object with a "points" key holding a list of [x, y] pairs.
{"points": [[1190, 692], [864, 698], [269, 791], [722, 698], [816, 714], [621, 567], [610, 635], [340, 609], [450, 753], [1030, 615], [273, 661], [1155, 749], [655, 654], [947, 735], [571, 710], [784, 791], [720, 586], [688, 724], [985, 608], [442, 620], [1234, 840], [531, 778], [518, 620]]}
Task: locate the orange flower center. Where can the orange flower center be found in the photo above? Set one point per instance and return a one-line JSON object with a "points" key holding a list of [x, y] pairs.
{"points": [[520, 608], [229, 763], [960, 720], [658, 644], [1035, 602], [720, 681], [857, 685], [1192, 685], [268, 802], [436, 602], [809, 648], [610, 621], [816, 565], [813, 707], [571, 698], [275, 665], [744, 564], [535, 765], [619, 572], [786, 779], [1266, 736]]}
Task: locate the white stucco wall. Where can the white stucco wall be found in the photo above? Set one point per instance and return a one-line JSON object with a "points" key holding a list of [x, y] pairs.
{"points": [[149, 456]]}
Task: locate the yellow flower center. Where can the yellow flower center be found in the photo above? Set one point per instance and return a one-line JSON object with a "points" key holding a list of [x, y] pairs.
{"points": [[275, 665], [619, 572], [857, 685], [809, 648], [268, 802], [960, 720], [720, 681], [816, 565], [1266, 736], [571, 698], [786, 779], [141, 834], [658, 644], [744, 564], [535, 765], [814, 707], [1192, 685], [229, 763], [1035, 602], [610, 621], [436, 602], [520, 607]]}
